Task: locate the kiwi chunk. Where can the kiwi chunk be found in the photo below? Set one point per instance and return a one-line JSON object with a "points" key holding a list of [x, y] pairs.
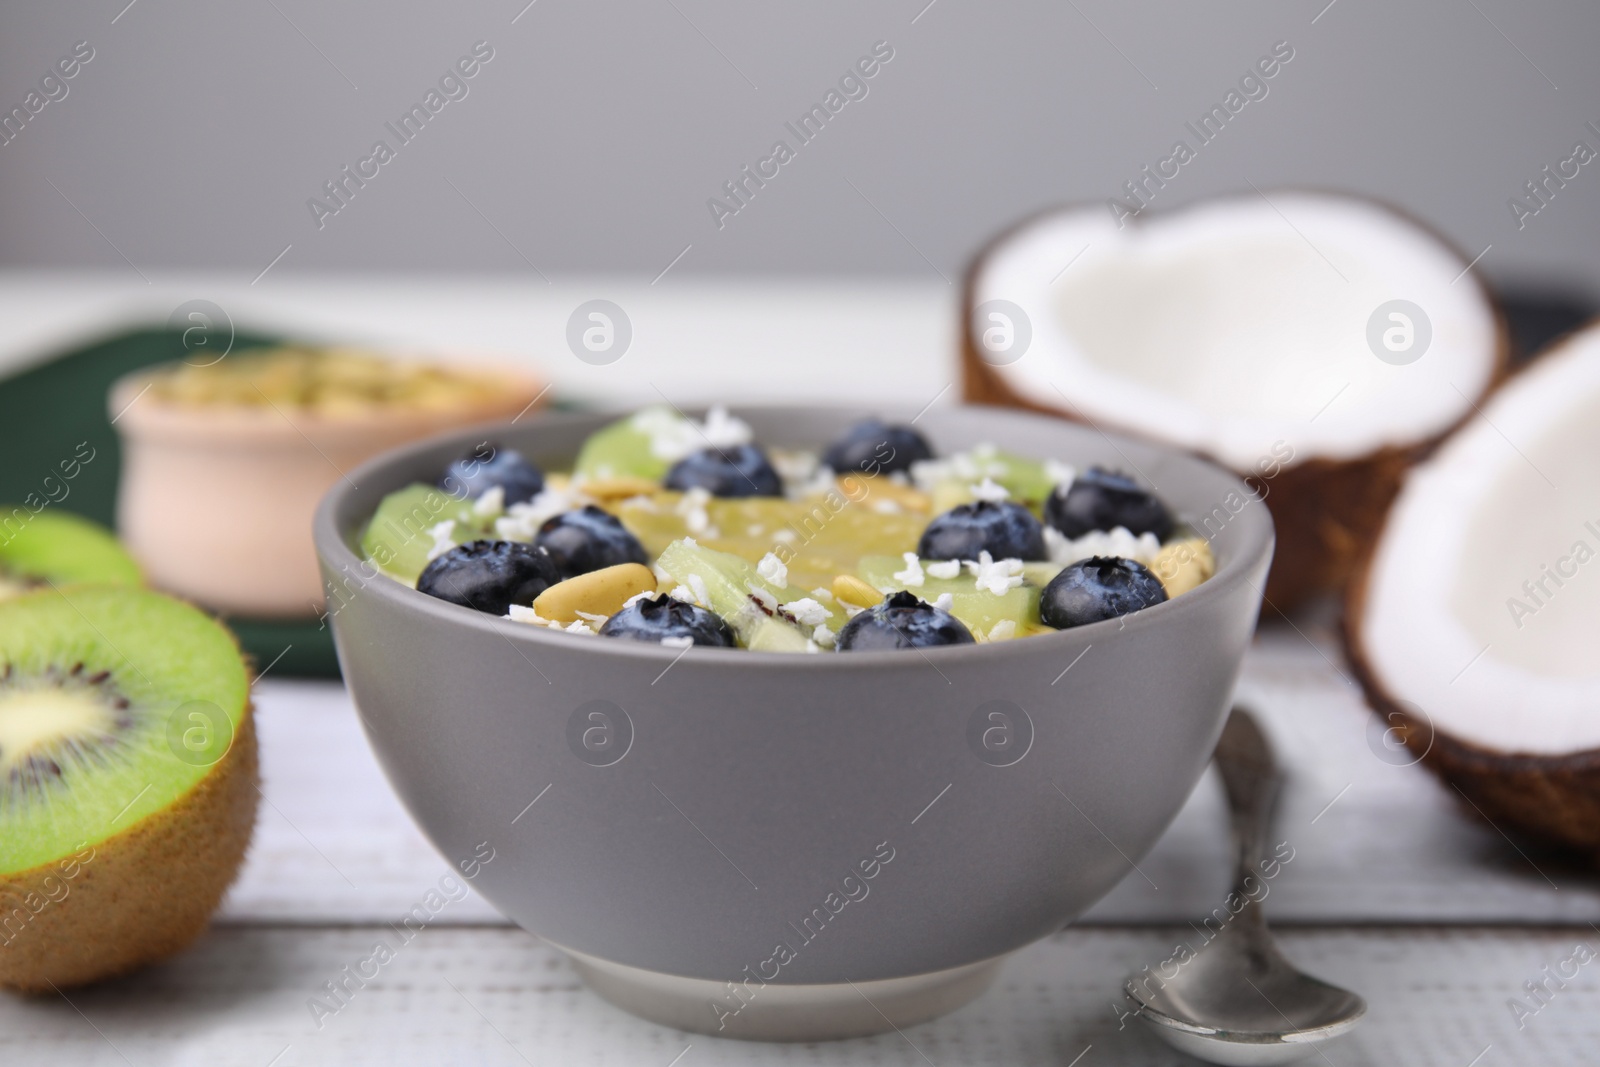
{"points": [[57, 547], [127, 780], [820, 536], [400, 534], [1025, 479], [627, 448], [980, 609], [734, 589]]}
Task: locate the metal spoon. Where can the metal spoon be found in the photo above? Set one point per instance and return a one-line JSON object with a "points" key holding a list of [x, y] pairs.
{"points": [[1237, 1000]]}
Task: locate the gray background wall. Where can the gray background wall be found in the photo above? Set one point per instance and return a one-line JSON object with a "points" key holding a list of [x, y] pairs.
{"points": [[593, 139]]}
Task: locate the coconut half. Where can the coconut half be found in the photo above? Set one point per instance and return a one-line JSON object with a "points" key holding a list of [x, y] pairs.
{"points": [[1243, 329], [1475, 623]]}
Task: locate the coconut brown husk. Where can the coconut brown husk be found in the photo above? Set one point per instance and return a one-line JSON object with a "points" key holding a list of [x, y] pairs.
{"points": [[140, 896], [1326, 511], [1552, 800]]}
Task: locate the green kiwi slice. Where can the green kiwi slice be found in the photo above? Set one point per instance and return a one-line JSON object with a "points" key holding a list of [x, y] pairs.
{"points": [[57, 547], [127, 751]]}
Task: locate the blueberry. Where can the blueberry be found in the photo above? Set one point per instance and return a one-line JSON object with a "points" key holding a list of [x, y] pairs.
{"points": [[902, 621], [1004, 529], [874, 447], [739, 470], [489, 465], [651, 619], [586, 540], [1099, 499], [1101, 587], [489, 576]]}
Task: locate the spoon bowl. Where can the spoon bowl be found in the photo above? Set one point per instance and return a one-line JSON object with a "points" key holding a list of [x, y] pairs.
{"points": [[1238, 1000]]}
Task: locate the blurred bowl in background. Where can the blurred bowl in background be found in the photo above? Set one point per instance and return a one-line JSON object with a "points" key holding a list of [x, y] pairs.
{"points": [[223, 465]]}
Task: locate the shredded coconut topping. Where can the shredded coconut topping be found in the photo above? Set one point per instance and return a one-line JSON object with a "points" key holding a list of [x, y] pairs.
{"points": [[443, 541], [1064, 550], [944, 568], [912, 575], [635, 598], [683, 593], [521, 613], [807, 612], [944, 602], [990, 490], [682, 641], [579, 627], [1060, 474], [1003, 630], [693, 509], [823, 636], [673, 437], [995, 575], [491, 504], [773, 570], [522, 521], [701, 594], [763, 597]]}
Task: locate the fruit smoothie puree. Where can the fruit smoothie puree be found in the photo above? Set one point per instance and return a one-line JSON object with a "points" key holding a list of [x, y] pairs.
{"points": [[682, 532]]}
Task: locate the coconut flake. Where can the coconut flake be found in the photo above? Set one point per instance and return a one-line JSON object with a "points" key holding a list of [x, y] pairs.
{"points": [[990, 490], [635, 598], [807, 612], [701, 594], [911, 577], [944, 602], [491, 504], [1060, 475], [1004, 630], [824, 636], [1142, 548], [579, 626], [944, 569], [523, 613], [681, 641], [773, 570], [443, 540], [995, 575]]}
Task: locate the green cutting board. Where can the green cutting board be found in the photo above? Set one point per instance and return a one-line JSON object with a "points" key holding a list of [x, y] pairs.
{"points": [[47, 410]]}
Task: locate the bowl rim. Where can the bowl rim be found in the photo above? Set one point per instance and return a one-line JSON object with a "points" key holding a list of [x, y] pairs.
{"points": [[1256, 533]]}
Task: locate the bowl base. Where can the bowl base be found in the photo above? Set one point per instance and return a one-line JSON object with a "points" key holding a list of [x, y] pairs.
{"points": [[771, 1012]]}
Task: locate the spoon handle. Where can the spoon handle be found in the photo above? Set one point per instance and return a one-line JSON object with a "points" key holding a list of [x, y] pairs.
{"points": [[1251, 778]]}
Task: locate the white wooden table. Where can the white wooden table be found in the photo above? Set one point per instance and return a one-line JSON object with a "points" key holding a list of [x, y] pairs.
{"points": [[1436, 918]]}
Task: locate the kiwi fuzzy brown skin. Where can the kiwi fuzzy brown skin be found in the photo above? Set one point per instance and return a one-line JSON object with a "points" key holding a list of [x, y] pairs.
{"points": [[1552, 800], [143, 895], [1326, 511]]}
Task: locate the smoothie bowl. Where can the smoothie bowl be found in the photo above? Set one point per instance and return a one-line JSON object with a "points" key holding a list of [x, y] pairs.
{"points": [[775, 819]]}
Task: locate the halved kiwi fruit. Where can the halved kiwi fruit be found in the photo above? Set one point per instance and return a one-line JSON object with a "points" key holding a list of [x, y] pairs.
{"points": [[128, 780], [60, 548]]}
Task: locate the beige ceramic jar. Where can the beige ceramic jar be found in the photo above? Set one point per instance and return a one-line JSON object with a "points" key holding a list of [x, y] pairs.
{"points": [[222, 469]]}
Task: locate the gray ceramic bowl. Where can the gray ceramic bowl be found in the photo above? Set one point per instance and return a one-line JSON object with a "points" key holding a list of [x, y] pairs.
{"points": [[773, 845]]}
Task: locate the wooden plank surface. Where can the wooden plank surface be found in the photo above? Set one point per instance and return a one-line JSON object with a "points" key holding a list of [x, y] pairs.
{"points": [[491, 996], [1374, 842]]}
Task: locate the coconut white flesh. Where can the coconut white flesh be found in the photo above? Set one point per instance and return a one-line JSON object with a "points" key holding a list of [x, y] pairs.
{"points": [[1237, 324], [1513, 498]]}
